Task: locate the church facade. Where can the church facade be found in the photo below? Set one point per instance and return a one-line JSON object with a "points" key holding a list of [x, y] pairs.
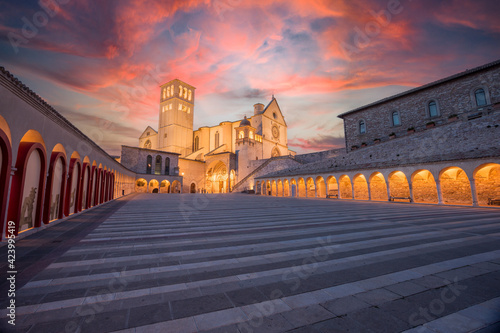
{"points": [[210, 159]]}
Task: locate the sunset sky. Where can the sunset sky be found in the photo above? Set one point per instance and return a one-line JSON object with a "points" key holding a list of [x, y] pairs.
{"points": [[100, 63]]}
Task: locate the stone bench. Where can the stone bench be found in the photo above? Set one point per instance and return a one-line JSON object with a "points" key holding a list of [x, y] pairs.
{"points": [[493, 202], [329, 196], [391, 198]]}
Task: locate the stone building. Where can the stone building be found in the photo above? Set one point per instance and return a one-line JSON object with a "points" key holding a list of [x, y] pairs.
{"points": [[438, 143], [212, 159]]}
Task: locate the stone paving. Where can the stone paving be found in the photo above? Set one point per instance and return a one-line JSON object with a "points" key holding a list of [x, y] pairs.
{"points": [[242, 263]]}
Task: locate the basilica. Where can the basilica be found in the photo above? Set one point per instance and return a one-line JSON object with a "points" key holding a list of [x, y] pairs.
{"points": [[211, 159]]}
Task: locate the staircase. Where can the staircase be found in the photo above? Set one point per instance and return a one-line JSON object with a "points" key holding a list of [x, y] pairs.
{"points": [[263, 165]]}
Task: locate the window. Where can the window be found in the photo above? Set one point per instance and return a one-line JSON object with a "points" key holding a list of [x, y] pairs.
{"points": [[217, 139], [147, 144], [185, 93], [433, 109], [167, 166], [250, 135], [396, 120], [190, 94], [241, 135], [158, 165], [180, 91], [362, 127], [149, 163], [480, 97], [196, 143]]}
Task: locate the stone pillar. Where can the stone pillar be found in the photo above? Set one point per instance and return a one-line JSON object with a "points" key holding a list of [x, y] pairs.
{"points": [[352, 186], [369, 191], [440, 194], [411, 191], [388, 191], [474, 192]]}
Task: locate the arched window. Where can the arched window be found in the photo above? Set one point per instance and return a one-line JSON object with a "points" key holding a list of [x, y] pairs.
{"points": [[250, 135], [196, 143], [362, 127], [190, 94], [396, 119], [217, 139], [180, 91], [167, 166], [480, 97], [275, 152], [147, 144], [149, 164], [158, 165], [433, 109], [241, 135]]}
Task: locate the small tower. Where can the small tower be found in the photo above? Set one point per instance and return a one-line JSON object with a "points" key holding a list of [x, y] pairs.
{"points": [[175, 129], [246, 139]]}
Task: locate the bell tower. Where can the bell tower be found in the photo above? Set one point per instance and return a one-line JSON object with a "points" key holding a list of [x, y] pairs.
{"points": [[175, 128]]}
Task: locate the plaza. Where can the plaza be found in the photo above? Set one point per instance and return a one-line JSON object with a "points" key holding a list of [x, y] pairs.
{"points": [[247, 263]]}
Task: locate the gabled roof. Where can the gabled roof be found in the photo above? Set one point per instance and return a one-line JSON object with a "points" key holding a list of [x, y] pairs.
{"points": [[277, 105], [149, 128], [426, 86]]}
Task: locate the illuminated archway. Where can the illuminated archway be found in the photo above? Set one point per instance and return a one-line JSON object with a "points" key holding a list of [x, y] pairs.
{"points": [[301, 187], [424, 187], [176, 186], [311, 188], [487, 179], [154, 186], [258, 189], [85, 183], [73, 185], [455, 186], [293, 188], [165, 186], [286, 188], [345, 187], [232, 180], [141, 185], [360, 187], [378, 187], [217, 178], [279, 189], [332, 186], [56, 182], [321, 187], [273, 188], [398, 185], [28, 183]]}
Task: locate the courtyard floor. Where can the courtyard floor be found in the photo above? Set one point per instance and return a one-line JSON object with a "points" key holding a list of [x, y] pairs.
{"points": [[246, 263]]}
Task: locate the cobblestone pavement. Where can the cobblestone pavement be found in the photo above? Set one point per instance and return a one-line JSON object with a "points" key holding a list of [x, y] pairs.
{"points": [[246, 263]]}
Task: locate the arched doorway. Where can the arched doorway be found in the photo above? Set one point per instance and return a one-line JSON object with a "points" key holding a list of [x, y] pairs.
{"points": [[294, 189], [378, 187], [332, 186], [301, 188], [311, 188], [192, 188], [273, 188], [141, 185], [279, 188], [73, 186], [217, 178], [176, 186], [321, 187], [360, 187], [398, 185], [286, 188], [345, 187], [455, 186], [28, 183], [154, 186], [85, 182], [424, 187], [165, 186], [56, 182], [487, 179]]}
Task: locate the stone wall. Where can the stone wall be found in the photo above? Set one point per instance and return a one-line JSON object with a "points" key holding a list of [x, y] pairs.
{"points": [[461, 139], [453, 96], [136, 159]]}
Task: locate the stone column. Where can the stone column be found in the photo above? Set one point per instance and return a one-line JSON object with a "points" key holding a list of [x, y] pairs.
{"points": [[440, 194], [388, 191], [369, 191], [411, 191], [474, 192], [352, 186]]}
